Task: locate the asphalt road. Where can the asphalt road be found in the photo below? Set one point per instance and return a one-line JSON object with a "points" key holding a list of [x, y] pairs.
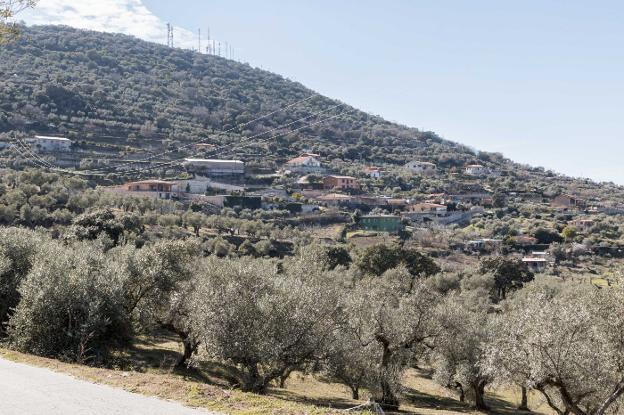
{"points": [[26, 390]]}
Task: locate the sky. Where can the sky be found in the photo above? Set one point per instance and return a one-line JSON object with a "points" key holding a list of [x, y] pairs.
{"points": [[541, 81]]}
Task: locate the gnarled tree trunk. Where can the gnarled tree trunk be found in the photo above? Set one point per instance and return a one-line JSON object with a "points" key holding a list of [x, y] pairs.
{"points": [[479, 392], [524, 402]]}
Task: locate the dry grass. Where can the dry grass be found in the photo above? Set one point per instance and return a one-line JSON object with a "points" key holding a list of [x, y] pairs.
{"points": [[364, 239], [146, 369]]}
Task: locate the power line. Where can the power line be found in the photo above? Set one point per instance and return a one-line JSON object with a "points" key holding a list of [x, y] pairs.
{"points": [[223, 132], [172, 162], [28, 158], [289, 132], [34, 156], [251, 137]]}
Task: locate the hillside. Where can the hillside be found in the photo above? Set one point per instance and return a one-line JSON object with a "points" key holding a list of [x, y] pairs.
{"points": [[105, 86], [342, 259], [123, 98]]}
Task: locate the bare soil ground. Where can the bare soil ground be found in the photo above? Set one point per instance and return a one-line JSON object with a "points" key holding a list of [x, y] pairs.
{"points": [[146, 369]]}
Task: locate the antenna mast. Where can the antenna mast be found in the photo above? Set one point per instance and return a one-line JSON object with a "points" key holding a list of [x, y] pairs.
{"points": [[208, 51]]}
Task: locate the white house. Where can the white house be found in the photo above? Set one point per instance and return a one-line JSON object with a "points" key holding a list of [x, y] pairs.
{"points": [[372, 172], [213, 167], [535, 264], [306, 163], [47, 144], [421, 167], [477, 170]]}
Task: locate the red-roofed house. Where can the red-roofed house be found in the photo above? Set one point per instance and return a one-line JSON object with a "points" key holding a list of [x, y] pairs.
{"points": [[340, 182], [150, 188]]}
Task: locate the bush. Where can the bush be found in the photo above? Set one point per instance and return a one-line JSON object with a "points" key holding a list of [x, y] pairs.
{"points": [[264, 323], [17, 252], [71, 306]]}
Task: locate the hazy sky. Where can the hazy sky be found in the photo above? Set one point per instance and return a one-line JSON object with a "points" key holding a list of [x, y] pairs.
{"points": [[540, 81]]}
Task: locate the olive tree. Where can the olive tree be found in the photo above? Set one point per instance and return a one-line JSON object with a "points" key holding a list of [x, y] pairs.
{"points": [[393, 314], [377, 259], [261, 321], [158, 281], [459, 345], [350, 363], [71, 305], [509, 274], [568, 346], [18, 248]]}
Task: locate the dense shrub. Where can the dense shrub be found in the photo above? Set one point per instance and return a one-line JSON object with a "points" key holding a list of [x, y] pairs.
{"points": [[71, 306], [17, 252], [264, 323]]}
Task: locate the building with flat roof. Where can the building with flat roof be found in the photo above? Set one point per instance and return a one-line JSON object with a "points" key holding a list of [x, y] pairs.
{"points": [[421, 167], [535, 264], [215, 167], [44, 143], [476, 170], [158, 189], [381, 223]]}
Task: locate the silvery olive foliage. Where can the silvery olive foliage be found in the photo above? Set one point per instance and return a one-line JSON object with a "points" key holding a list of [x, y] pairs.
{"points": [[154, 273], [263, 320], [350, 362], [17, 252], [568, 345], [81, 300], [394, 316], [71, 305], [463, 334], [157, 282]]}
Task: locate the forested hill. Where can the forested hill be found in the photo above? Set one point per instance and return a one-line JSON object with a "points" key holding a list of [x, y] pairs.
{"points": [[120, 93], [60, 79]]}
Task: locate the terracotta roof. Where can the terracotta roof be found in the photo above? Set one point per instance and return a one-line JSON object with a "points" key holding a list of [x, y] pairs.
{"points": [[396, 201]]}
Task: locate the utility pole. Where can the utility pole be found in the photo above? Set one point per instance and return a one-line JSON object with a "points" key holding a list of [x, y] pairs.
{"points": [[199, 41], [208, 51]]}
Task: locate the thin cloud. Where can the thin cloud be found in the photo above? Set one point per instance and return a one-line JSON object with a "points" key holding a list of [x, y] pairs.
{"points": [[118, 16]]}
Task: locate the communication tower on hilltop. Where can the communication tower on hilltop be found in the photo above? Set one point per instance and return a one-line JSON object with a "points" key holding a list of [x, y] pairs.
{"points": [[169, 35], [208, 48]]}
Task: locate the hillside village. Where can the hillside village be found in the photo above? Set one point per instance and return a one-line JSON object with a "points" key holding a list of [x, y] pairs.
{"points": [[191, 227], [311, 190]]}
